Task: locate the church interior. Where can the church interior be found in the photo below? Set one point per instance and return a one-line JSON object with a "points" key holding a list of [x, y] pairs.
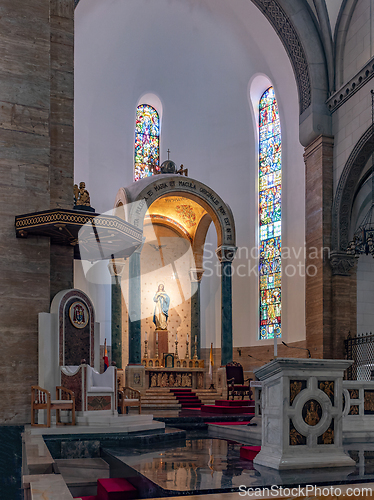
{"points": [[187, 274]]}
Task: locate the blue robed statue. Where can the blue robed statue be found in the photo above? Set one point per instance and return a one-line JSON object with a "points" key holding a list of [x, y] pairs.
{"points": [[161, 312]]}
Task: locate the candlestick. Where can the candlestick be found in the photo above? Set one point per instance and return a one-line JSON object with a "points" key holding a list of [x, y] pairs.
{"points": [[187, 356], [156, 348], [146, 349], [176, 350], [195, 353], [157, 336], [275, 345]]}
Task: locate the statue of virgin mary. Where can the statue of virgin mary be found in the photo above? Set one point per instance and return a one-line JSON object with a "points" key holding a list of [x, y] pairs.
{"points": [[161, 312]]}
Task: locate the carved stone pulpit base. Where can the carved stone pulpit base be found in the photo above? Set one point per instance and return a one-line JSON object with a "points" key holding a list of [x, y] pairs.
{"points": [[302, 412]]}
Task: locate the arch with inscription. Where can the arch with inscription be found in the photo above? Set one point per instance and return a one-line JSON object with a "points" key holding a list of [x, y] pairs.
{"points": [[137, 199], [176, 185]]}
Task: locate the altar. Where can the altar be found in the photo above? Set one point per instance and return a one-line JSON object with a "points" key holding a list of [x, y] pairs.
{"points": [[170, 372]]}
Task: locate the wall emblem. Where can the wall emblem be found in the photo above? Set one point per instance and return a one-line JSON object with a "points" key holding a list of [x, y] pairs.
{"points": [[78, 314]]}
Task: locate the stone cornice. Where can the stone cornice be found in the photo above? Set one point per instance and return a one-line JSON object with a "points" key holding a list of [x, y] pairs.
{"points": [[351, 87]]}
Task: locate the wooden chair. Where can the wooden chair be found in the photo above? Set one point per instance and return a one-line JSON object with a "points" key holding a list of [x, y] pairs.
{"points": [[127, 396], [41, 400], [235, 381]]}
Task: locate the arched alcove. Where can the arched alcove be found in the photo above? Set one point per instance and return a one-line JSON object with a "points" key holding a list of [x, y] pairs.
{"points": [[147, 202]]}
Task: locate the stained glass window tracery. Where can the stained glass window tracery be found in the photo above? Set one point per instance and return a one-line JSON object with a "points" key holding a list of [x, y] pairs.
{"points": [[147, 141], [270, 211]]}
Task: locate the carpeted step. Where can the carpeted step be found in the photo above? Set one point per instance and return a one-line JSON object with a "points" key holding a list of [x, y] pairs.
{"points": [[235, 402], [249, 452], [186, 398], [222, 410], [115, 488]]}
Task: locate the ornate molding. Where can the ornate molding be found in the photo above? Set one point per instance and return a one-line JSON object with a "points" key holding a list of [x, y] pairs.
{"points": [[98, 236], [226, 253], [341, 263], [116, 267], [345, 191], [351, 87], [291, 41]]}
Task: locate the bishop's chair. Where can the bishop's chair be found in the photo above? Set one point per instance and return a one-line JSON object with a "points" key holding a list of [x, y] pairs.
{"points": [[235, 381]]}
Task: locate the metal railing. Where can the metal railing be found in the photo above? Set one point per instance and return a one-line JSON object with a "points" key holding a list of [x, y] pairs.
{"points": [[360, 349]]}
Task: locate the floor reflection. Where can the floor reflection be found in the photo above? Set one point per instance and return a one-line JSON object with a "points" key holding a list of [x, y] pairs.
{"points": [[206, 464]]}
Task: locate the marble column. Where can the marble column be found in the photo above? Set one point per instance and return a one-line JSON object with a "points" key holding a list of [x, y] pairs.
{"points": [[135, 308], [226, 255], [318, 159], [195, 275], [116, 268]]}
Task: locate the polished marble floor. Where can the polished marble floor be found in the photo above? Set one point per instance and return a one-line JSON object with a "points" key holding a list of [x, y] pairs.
{"points": [[207, 464]]}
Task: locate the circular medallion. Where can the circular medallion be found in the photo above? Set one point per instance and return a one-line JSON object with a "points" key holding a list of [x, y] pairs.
{"points": [[312, 412], [78, 314]]}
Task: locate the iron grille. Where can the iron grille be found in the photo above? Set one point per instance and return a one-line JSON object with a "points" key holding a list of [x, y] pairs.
{"points": [[360, 349]]}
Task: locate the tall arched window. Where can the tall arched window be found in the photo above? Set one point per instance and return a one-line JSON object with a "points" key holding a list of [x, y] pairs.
{"points": [[147, 141], [270, 210]]}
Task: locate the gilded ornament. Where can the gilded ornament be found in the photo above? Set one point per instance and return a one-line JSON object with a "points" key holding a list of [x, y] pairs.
{"points": [[369, 402], [81, 195], [312, 412], [327, 388], [328, 436], [354, 410], [296, 386]]}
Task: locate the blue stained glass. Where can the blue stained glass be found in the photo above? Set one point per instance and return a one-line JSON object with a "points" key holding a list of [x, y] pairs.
{"points": [[270, 215]]}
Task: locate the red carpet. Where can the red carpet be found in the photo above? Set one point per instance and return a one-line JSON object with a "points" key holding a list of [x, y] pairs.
{"points": [[249, 452], [224, 410], [228, 423], [115, 488], [234, 402], [186, 398]]}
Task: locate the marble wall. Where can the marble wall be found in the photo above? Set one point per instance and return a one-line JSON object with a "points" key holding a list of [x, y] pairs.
{"points": [[35, 167]]}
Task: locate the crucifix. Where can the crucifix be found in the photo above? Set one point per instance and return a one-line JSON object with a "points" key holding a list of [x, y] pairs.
{"points": [[168, 154]]}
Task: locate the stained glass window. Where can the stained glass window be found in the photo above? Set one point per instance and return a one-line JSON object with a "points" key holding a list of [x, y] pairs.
{"points": [[270, 210], [147, 137]]}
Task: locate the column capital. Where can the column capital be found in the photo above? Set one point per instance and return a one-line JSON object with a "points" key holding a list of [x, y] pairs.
{"points": [[341, 263], [140, 247], [196, 274], [226, 253], [116, 267]]}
